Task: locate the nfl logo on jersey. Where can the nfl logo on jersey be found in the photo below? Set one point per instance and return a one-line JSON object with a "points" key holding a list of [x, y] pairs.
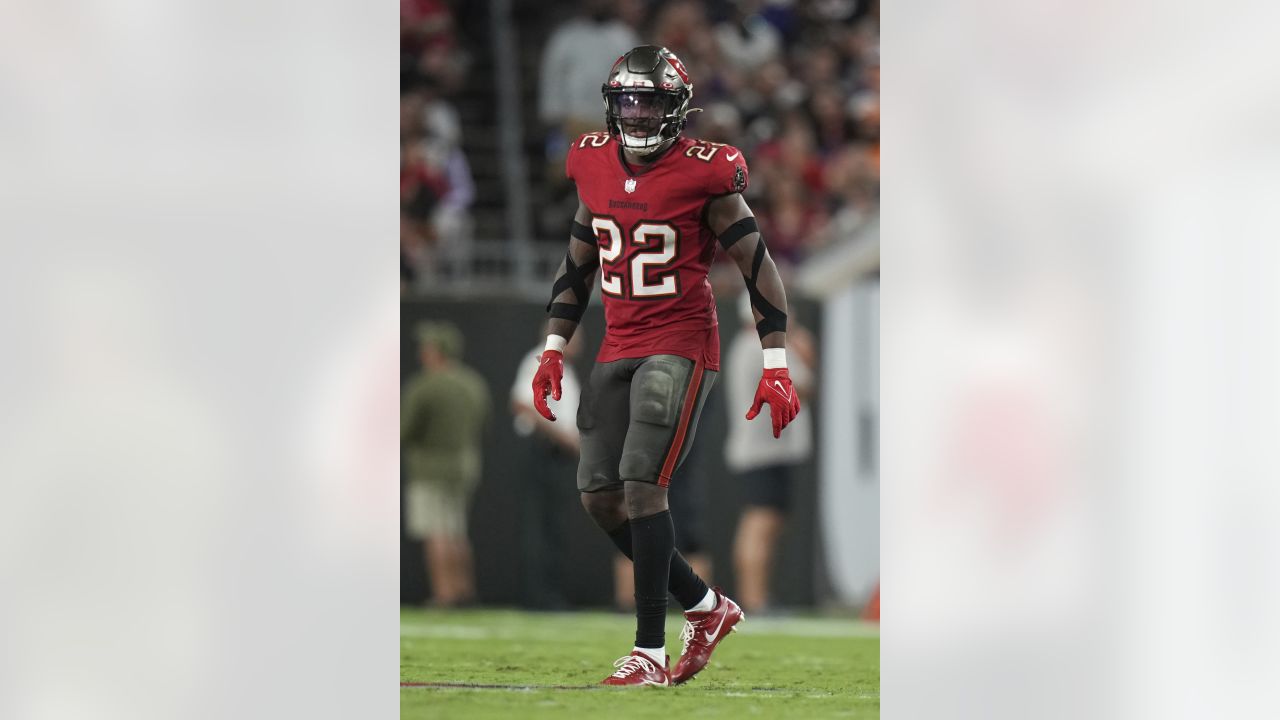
{"points": [[629, 185]]}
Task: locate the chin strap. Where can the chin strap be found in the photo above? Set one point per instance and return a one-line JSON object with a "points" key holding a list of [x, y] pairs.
{"points": [[646, 150]]}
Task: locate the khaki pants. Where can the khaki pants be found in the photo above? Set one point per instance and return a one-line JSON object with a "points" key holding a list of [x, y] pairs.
{"points": [[438, 505]]}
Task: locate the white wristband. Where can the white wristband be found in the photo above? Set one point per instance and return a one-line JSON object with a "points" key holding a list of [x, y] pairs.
{"points": [[775, 358], [557, 343]]}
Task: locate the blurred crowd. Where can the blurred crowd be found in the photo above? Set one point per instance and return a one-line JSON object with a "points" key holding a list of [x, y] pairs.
{"points": [[436, 187], [793, 83]]}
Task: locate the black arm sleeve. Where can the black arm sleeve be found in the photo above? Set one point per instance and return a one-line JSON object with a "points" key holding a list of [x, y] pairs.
{"points": [[744, 243], [572, 289], [772, 318]]}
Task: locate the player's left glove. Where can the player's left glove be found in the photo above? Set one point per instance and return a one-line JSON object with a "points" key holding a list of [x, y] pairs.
{"points": [[775, 388], [547, 381]]}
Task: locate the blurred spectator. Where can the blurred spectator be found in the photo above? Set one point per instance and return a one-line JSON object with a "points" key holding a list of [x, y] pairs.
{"points": [[721, 122], [442, 417], [436, 185], [428, 43], [436, 188], [681, 26], [789, 219], [549, 454], [832, 125], [790, 174], [795, 85], [765, 467], [574, 64], [851, 176], [745, 39]]}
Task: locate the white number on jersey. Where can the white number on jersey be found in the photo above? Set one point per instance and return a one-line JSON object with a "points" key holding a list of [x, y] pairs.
{"points": [[660, 242]]}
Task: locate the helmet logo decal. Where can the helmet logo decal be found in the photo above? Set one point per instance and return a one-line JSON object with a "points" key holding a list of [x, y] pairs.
{"points": [[629, 185], [679, 66]]}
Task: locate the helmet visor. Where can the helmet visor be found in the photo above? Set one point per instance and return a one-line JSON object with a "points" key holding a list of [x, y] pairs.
{"points": [[639, 114]]}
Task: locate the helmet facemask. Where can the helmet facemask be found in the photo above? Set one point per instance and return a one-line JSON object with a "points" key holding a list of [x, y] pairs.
{"points": [[644, 120]]}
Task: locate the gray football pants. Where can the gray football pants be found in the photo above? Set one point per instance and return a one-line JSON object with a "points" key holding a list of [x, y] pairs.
{"points": [[637, 419]]}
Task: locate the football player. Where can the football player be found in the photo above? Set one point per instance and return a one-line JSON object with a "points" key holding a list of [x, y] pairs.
{"points": [[652, 206]]}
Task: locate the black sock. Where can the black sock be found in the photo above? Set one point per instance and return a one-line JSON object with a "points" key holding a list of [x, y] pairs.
{"points": [[682, 581], [653, 542]]}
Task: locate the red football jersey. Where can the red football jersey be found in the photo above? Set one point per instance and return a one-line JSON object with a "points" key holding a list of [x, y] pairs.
{"points": [[655, 248]]}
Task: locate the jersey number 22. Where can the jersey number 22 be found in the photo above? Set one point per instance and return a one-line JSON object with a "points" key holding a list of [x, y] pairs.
{"points": [[646, 278]]}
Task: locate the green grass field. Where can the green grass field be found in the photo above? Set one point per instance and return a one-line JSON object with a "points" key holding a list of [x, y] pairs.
{"points": [[548, 665]]}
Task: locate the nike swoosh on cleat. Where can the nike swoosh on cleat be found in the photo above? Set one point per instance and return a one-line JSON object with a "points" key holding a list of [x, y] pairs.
{"points": [[711, 637], [732, 157]]}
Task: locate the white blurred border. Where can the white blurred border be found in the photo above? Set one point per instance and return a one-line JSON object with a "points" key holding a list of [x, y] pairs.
{"points": [[1079, 253], [198, 212]]}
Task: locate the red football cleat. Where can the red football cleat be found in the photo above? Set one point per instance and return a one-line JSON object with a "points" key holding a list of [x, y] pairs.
{"points": [[702, 632], [637, 669]]}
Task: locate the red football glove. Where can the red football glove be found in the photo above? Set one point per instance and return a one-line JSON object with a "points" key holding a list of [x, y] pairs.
{"points": [[547, 381], [775, 388]]}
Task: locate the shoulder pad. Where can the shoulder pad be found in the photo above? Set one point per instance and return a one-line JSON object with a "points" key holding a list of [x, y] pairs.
{"points": [[584, 143], [590, 140], [725, 167]]}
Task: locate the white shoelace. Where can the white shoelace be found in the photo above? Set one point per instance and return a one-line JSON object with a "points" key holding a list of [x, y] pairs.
{"points": [[632, 664], [686, 635]]}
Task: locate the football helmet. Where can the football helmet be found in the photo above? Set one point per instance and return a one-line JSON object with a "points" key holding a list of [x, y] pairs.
{"points": [[646, 99]]}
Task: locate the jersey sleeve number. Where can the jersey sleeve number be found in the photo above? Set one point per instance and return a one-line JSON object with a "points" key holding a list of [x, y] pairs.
{"points": [[660, 242], [704, 151], [595, 140]]}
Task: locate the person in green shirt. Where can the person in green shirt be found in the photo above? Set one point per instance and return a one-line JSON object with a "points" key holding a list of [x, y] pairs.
{"points": [[442, 418]]}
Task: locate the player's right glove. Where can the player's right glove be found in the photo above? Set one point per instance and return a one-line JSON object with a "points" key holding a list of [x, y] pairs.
{"points": [[775, 388], [547, 381]]}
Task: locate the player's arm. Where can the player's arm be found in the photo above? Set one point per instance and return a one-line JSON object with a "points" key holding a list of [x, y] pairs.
{"points": [[569, 297], [735, 225], [574, 279]]}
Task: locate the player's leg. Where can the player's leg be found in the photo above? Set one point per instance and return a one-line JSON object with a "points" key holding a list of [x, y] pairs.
{"points": [[766, 492], [604, 415], [684, 581], [664, 421], [666, 395]]}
